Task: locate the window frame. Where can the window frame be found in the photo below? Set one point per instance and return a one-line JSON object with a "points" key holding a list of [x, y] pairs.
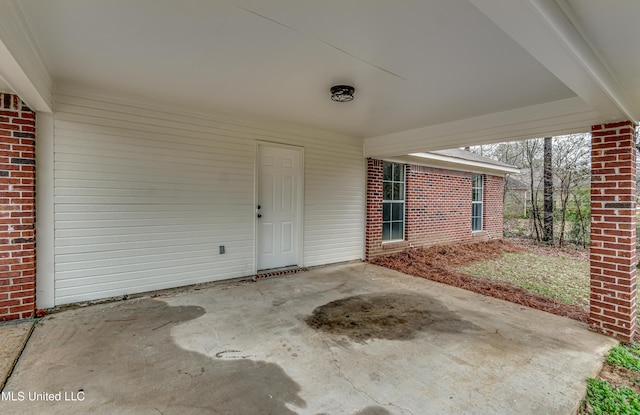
{"points": [[477, 178], [394, 203]]}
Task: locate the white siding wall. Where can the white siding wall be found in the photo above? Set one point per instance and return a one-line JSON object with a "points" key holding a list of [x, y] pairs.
{"points": [[143, 197]]}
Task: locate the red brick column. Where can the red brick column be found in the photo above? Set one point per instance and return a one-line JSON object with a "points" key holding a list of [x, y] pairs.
{"points": [[613, 230], [17, 209], [373, 237]]}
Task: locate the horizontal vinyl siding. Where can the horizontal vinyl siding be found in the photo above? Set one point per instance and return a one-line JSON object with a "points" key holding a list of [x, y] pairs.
{"points": [[143, 197]]}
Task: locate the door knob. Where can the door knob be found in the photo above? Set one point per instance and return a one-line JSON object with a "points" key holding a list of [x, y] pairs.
{"points": [[259, 215]]}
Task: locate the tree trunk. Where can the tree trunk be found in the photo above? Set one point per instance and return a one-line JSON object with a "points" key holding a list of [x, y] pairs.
{"points": [[581, 219], [530, 154], [535, 212], [548, 190], [564, 200]]}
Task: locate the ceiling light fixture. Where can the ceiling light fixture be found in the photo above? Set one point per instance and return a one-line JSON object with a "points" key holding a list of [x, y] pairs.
{"points": [[342, 93]]}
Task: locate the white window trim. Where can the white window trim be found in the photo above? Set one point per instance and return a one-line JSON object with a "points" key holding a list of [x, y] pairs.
{"points": [[476, 202], [404, 202]]}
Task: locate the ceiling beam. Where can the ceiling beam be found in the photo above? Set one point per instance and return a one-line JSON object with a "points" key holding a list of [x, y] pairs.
{"points": [[567, 116]]}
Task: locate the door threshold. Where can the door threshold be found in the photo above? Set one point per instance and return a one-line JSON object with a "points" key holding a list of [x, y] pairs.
{"points": [[274, 272]]}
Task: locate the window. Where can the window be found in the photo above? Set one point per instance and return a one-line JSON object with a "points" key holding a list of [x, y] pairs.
{"points": [[476, 201], [393, 202]]}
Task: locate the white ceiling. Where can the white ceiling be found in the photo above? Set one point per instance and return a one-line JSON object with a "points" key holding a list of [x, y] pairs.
{"points": [[4, 87], [612, 29], [414, 63]]}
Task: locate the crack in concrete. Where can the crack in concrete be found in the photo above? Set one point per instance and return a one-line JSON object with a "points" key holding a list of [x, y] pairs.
{"points": [[335, 362], [402, 409]]}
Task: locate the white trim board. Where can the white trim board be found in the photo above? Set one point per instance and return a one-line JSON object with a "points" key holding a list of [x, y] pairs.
{"points": [[562, 117]]}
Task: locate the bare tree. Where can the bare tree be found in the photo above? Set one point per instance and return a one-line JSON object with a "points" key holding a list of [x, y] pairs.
{"points": [[571, 169], [548, 190], [531, 157]]}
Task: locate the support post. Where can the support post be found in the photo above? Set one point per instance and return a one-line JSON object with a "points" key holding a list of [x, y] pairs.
{"points": [[17, 209], [613, 230]]}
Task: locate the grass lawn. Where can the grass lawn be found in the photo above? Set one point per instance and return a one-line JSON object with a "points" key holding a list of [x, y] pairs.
{"points": [[558, 277], [616, 389]]}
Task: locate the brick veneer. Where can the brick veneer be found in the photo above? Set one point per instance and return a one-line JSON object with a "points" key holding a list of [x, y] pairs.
{"points": [[613, 230], [373, 237], [493, 215], [437, 206], [17, 209]]}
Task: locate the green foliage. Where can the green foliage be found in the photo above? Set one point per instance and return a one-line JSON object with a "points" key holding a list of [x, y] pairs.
{"points": [[625, 357], [634, 347], [578, 214], [603, 399]]}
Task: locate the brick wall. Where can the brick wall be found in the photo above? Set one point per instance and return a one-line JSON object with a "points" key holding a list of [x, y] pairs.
{"points": [[613, 231], [437, 206], [493, 215], [373, 245], [17, 209]]}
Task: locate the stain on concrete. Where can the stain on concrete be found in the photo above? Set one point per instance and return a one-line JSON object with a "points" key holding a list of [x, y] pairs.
{"points": [[127, 359], [369, 410], [231, 354], [373, 410], [391, 316]]}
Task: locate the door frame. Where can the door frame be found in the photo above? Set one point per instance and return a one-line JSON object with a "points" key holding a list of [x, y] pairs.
{"points": [[299, 210]]}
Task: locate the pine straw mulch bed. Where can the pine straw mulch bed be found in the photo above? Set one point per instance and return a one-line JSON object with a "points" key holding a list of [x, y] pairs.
{"points": [[439, 263]]}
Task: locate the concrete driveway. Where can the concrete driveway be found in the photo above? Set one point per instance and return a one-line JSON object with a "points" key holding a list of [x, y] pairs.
{"points": [[379, 342]]}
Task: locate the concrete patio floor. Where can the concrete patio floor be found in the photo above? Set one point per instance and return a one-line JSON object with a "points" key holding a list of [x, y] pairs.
{"points": [[258, 348], [13, 337]]}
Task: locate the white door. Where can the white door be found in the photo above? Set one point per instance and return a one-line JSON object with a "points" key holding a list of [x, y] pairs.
{"points": [[279, 199]]}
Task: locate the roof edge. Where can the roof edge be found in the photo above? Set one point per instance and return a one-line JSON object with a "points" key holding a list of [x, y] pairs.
{"points": [[453, 163]]}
